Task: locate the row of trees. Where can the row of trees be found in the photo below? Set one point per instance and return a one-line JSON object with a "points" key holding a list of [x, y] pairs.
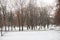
{"points": [[30, 16]]}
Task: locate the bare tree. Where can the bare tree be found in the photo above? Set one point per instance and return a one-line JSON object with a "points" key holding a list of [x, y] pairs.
{"points": [[18, 16], [44, 18], [57, 14], [1, 20]]}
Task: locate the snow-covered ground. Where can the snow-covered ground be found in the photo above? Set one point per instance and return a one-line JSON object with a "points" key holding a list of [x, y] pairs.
{"points": [[53, 33], [31, 35]]}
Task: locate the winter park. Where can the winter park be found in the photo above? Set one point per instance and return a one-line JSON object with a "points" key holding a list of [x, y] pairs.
{"points": [[29, 19]]}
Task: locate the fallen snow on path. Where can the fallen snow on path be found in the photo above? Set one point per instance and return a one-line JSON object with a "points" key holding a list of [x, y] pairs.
{"points": [[31, 35]]}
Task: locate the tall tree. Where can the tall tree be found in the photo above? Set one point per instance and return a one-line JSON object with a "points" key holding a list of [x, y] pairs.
{"points": [[1, 18], [44, 17], [57, 13]]}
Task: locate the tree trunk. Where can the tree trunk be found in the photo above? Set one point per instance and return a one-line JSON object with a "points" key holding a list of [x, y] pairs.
{"points": [[1, 31]]}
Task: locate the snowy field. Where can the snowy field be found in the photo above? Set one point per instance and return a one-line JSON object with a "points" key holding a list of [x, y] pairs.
{"points": [[31, 35], [53, 33]]}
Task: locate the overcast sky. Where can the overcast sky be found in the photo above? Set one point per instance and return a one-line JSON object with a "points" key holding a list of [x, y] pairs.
{"points": [[11, 4], [15, 4]]}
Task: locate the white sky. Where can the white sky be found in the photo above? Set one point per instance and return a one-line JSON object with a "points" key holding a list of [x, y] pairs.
{"points": [[11, 4], [46, 2], [14, 4]]}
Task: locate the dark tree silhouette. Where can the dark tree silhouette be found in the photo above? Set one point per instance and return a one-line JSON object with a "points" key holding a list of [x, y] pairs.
{"points": [[57, 13]]}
